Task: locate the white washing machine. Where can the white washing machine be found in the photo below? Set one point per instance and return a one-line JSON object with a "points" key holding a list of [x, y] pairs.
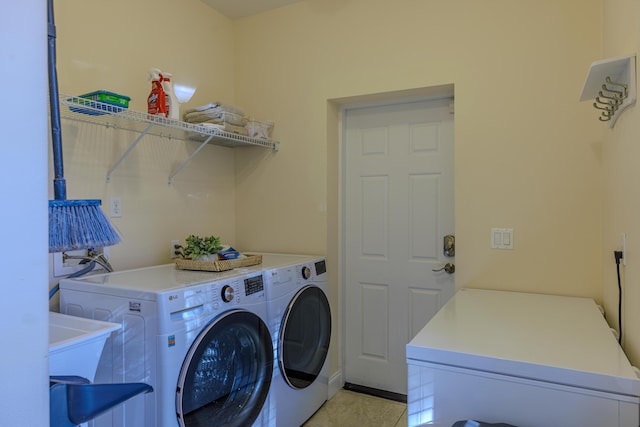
{"points": [[200, 339], [300, 321]]}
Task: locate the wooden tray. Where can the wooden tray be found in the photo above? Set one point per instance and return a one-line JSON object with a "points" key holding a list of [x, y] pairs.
{"points": [[219, 265]]}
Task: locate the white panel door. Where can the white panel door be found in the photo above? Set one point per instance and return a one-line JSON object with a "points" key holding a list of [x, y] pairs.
{"points": [[398, 208]]}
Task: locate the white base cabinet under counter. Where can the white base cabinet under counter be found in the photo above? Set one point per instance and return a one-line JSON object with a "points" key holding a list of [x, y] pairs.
{"points": [[524, 359]]}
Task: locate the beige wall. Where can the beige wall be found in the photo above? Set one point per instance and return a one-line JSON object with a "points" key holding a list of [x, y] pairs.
{"points": [[621, 201], [527, 153], [195, 43]]}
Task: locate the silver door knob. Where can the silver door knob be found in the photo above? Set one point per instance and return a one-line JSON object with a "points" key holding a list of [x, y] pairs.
{"points": [[448, 268]]}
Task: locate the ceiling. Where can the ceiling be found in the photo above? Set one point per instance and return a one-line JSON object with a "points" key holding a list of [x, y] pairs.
{"points": [[239, 8]]}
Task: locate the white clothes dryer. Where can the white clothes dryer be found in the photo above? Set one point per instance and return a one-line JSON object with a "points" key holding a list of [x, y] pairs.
{"points": [[300, 321], [200, 339]]}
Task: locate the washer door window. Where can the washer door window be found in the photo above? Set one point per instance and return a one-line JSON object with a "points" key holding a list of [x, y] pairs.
{"points": [[304, 337], [226, 375]]}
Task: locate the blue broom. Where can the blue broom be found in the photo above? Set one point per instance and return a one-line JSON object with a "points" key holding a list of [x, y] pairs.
{"points": [[73, 224]]}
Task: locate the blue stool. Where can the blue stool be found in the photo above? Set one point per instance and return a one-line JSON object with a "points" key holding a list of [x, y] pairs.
{"points": [[74, 400]]}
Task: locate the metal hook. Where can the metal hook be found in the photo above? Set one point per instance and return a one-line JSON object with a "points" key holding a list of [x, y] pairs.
{"points": [[608, 107], [610, 102], [608, 80], [616, 98], [619, 93], [624, 87], [613, 104]]}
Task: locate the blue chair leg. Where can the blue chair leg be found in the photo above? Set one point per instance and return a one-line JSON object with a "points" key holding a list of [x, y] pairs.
{"points": [[73, 401], [59, 407], [88, 401]]}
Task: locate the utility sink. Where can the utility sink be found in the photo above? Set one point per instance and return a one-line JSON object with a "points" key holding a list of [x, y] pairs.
{"points": [[76, 343]]}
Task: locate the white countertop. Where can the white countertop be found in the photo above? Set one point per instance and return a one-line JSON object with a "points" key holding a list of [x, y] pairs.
{"points": [[148, 282], [563, 340]]}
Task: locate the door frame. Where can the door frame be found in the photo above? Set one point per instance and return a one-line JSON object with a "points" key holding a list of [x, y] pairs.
{"points": [[373, 100]]}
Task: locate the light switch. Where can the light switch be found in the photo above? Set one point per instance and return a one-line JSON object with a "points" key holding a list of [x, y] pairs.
{"points": [[502, 238], [497, 238], [506, 238]]}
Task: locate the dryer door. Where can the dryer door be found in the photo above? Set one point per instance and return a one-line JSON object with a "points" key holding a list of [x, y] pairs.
{"points": [[225, 378], [304, 337]]}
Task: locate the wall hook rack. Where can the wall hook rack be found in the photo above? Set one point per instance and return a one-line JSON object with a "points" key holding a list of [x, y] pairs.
{"points": [[611, 103], [612, 84]]}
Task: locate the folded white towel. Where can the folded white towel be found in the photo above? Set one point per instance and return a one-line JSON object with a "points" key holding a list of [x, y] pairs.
{"points": [[203, 116], [215, 114], [224, 107], [260, 130], [211, 126], [240, 130], [203, 107]]}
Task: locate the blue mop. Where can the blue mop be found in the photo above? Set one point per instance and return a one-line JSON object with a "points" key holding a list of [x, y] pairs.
{"points": [[73, 224]]}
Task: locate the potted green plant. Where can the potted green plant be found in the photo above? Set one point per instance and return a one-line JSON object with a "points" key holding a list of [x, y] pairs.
{"points": [[201, 248]]}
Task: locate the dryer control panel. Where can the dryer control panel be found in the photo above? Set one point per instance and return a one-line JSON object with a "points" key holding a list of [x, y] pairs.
{"points": [[306, 273], [321, 267]]}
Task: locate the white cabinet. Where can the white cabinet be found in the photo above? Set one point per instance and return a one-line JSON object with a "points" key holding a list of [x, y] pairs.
{"points": [[522, 359]]}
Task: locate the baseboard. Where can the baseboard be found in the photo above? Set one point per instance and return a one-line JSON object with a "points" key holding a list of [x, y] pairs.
{"points": [[376, 392], [335, 383]]}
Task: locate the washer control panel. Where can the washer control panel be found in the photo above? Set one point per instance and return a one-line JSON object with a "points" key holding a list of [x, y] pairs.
{"points": [[237, 291], [222, 294], [306, 273], [253, 285], [227, 293]]}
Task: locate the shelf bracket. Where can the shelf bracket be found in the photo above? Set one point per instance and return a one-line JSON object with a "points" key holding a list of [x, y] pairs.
{"points": [[126, 153], [188, 159]]}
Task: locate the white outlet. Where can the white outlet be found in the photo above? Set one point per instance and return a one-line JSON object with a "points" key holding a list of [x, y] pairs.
{"points": [[174, 243], [623, 247], [115, 207]]}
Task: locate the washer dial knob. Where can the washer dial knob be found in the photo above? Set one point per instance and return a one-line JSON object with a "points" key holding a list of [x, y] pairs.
{"points": [[227, 293], [306, 272]]}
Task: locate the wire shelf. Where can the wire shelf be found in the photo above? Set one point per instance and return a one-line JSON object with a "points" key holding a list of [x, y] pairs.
{"points": [[112, 116], [108, 115]]}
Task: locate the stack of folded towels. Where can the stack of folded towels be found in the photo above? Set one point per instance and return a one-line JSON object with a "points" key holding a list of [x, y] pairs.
{"points": [[218, 116]]}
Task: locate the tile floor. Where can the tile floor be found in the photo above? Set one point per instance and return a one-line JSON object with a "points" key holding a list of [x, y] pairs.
{"points": [[348, 408]]}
